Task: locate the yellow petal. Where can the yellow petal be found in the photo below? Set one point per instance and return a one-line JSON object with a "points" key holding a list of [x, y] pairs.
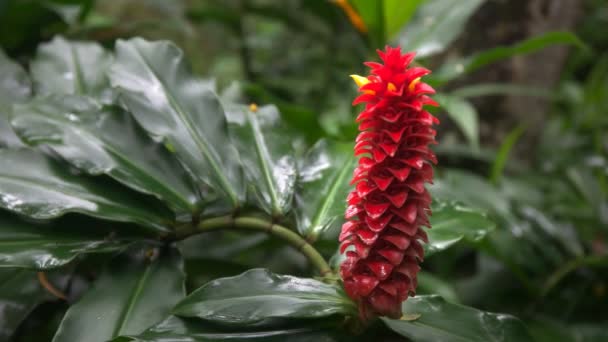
{"points": [[253, 107], [391, 87], [360, 80], [413, 84]]}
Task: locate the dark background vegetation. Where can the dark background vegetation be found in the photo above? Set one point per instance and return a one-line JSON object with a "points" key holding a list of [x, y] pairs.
{"points": [[525, 137]]}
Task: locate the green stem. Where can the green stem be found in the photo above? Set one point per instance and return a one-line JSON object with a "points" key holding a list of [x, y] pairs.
{"points": [[569, 267], [257, 224]]}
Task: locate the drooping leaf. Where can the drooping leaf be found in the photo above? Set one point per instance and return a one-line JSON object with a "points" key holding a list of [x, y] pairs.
{"points": [[443, 321], [323, 185], [265, 296], [464, 115], [64, 67], [436, 25], [193, 330], [15, 86], [266, 155], [458, 67], [174, 107], [45, 246], [20, 293], [37, 186], [102, 140], [451, 223], [130, 296], [503, 153]]}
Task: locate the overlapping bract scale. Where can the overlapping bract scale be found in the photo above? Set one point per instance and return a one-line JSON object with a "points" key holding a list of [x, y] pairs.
{"points": [[389, 205]]}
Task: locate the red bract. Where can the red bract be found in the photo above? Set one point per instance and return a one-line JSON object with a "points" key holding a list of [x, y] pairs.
{"points": [[390, 204]]}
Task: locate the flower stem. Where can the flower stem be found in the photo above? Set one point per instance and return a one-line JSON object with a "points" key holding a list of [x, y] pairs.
{"points": [[258, 224]]}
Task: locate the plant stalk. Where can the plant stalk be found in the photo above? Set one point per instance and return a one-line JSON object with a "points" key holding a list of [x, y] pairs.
{"points": [[261, 225]]}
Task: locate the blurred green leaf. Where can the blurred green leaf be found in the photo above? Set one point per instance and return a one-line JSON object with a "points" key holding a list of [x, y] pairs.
{"points": [[64, 67], [38, 246], [463, 114], [20, 293], [488, 89], [266, 296], [129, 297], [180, 110], [324, 175], [102, 140], [372, 14], [39, 187], [429, 283], [396, 14], [457, 67], [15, 86], [503, 153], [443, 321], [193, 330], [453, 222], [436, 25], [266, 155]]}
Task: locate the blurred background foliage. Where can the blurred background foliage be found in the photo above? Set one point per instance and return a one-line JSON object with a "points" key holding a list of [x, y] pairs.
{"points": [[524, 132]]}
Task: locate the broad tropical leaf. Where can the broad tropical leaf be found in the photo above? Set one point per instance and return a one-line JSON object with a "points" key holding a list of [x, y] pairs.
{"points": [[129, 297], [443, 321], [15, 86], [193, 330], [462, 112], [323, 185], [102, 140], [266, 155], [157, 87], [452, 222], [64, 67], [44, 246], [20, 293], [37, 186], [436, 25], [265, 296]]}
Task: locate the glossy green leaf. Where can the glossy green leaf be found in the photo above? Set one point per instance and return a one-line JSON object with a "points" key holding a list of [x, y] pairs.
{"points": [[100, 140], [443, 321], [457, 67], [436, 25], [193, 330], [174, 107], [463, 114], [266, 155], [265, 296], [20, 293], [15, 86], [324, 176], [129, 297], [64, 67], [453, 222], [39, 187], [45, 246]]}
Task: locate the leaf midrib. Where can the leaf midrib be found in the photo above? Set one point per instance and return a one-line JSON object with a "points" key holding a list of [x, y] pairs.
{"points": [[201, 145], [128, 309]]}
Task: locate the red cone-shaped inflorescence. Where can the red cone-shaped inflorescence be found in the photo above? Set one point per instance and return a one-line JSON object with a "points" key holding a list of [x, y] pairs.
{"points": [[390, 204]]}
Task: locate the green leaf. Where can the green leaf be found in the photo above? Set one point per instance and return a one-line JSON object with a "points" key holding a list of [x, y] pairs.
{"points": [[453, 222], [39, 187], [323, 185], [45, 246], [429, 283], [488, 89], [397, 13], [503, 153], [101, 140], [157, 87], [20, 293], [15, 86], [64, 67], [265, 296], [371, 13], [464, 115], [436, 25], [457, 67], [443, 321], [130, 296], [193, 330], [266, 155]]}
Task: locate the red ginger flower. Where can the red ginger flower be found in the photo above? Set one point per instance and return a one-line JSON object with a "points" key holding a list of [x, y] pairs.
{"points": [[390, 204]]}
